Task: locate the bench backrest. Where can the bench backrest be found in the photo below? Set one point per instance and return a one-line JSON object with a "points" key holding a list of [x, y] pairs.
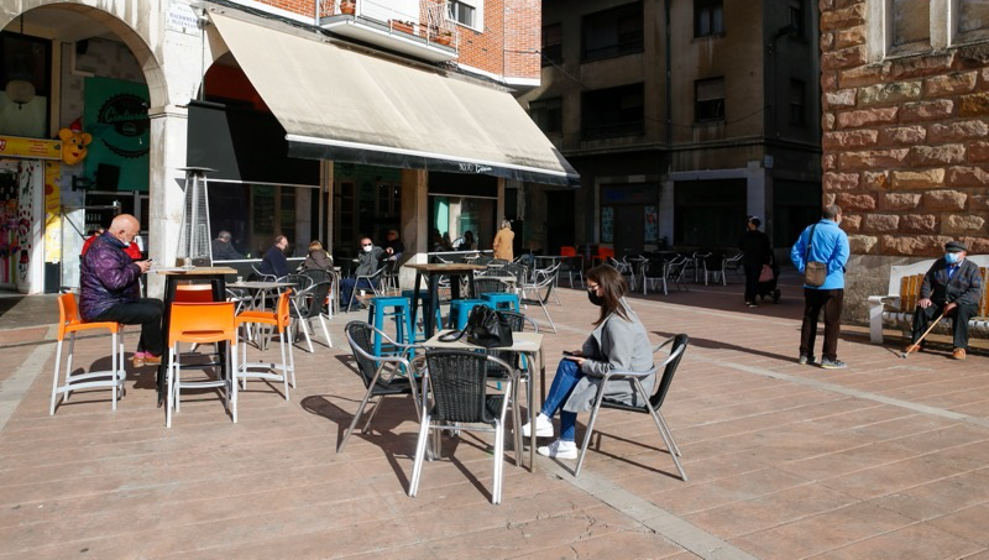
{"points": [[897, 272], [910, 292]]}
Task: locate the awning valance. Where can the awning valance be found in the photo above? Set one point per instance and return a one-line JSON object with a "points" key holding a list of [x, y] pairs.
{"points": [[343, 105]]}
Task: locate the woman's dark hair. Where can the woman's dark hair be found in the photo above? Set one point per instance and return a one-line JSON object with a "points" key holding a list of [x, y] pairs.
{"points": [[613, 288]]}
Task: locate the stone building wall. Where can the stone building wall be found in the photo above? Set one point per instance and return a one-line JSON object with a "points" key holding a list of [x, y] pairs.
{"points": [[905, 147]]}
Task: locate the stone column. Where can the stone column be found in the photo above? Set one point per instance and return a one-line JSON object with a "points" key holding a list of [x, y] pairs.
{"points": [[415, 221], [166, 187]]}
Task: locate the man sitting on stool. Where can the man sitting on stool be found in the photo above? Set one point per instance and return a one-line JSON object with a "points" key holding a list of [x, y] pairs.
{"points": [[952, 286], [368, 262]]}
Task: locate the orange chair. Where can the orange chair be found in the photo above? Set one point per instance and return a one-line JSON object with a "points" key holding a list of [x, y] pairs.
{"points": [[567, 251], [199, 323], [604, 253], [280, 320], [70, 323], [193, 293]]}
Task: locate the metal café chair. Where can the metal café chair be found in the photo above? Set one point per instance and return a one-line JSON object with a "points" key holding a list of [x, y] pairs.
{"points": [[457, 382], [379, 373], [372, 280], [539, 292], [651, 404]]}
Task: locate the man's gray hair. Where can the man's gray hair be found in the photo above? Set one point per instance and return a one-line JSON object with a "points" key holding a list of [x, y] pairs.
{"points": [[831, 212], [224, 235]]}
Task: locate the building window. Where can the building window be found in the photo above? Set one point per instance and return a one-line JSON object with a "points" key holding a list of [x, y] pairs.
{"points": [[910, 26], [709, 18], [552, 44], [611, 33], [972, 19], [797, 18], [464, 13], [27, 60], [612, 112], [798, 104], [547, 114], [710, 96]]}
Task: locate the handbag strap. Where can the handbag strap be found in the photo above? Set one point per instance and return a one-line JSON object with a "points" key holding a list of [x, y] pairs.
{"points": [[810, 238]]}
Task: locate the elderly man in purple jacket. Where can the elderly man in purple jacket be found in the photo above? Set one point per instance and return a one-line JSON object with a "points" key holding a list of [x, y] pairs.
{"points": [[110, 288]]}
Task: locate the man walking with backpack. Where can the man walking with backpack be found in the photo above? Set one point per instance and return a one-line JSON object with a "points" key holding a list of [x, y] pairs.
{"points": [[820, 254]]}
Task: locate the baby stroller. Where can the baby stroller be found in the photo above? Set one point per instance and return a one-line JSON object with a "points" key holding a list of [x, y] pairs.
{"points": [[770, 289]]}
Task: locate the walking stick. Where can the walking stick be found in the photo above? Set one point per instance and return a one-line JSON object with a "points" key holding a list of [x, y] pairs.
{"points": [[923, 336]]}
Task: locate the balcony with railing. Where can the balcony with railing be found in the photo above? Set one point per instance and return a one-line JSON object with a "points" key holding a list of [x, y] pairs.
{"points": [[417, 28]]}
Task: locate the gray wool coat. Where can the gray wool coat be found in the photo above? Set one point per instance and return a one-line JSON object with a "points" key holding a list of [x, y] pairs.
{"points": [[615, 345]]}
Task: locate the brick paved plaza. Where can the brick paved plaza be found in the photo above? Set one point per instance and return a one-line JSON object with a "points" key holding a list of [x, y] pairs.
{"points": [[887, 459]]}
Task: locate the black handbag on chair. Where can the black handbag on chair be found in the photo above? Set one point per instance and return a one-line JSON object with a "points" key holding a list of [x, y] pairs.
{"points": [[485, 327]]}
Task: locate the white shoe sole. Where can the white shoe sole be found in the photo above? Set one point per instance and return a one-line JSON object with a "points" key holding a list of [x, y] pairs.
{"points": [[546, 452]]}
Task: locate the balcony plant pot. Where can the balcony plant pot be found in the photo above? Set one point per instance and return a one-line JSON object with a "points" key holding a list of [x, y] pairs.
{"points": [[348, 7], [444, 38], [403, 26]]}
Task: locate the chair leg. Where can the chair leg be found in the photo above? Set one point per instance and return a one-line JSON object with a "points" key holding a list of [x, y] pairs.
{"points": [[499, 462], [666, 427], [113, 368], [291, 355], [232, 375], [68, 367], [326, 331], [548, 318], [370, 415], [282, 343], [169, 395], [357, 415], [305, 332], [57, 374], [420, 454], [590, 430]]}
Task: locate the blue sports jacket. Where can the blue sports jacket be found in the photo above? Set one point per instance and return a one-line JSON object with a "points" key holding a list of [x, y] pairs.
{"points": [[830, 245]]}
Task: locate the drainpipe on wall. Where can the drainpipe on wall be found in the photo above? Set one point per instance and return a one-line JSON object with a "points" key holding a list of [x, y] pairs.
{"points": [[669, 78]]}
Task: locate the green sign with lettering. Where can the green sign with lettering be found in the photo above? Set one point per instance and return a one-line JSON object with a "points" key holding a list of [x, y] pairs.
{"points": [[116, 114]]}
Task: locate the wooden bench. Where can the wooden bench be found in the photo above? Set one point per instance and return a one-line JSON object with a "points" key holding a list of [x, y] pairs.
{"points": [[896, 308]]}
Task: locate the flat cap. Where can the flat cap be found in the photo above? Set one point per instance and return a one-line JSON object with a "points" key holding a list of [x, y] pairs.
{"points": [[955, 247]]}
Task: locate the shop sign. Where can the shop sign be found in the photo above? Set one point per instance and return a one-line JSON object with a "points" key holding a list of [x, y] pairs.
{"points": [[182, 17], [17, 146]]}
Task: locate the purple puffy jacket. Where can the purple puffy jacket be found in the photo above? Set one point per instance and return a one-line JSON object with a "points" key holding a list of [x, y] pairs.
{"points": [[108, 277]]}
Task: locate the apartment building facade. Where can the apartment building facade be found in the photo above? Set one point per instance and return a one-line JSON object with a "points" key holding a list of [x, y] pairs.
{"points": [[327, 119], [682, 117], [906, 121]]}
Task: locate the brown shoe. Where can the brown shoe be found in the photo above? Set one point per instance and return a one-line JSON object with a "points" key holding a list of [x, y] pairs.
{"points": [[911, 349], [152, 360], [958, 354], [138, 361]]}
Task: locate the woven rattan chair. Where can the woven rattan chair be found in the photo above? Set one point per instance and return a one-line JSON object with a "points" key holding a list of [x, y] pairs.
{"points": [[652, 404], [457, 380], [378, 373]]}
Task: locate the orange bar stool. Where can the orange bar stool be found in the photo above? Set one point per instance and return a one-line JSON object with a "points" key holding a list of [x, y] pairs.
{"points": [[69, 324], [280, 320], [199, 323]]}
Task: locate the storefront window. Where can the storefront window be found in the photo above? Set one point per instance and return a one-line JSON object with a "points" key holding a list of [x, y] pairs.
{"points": [[255, 214], [26, 61]]}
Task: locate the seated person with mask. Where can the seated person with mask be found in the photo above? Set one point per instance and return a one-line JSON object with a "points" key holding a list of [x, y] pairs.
{"points": [[368, 262]]}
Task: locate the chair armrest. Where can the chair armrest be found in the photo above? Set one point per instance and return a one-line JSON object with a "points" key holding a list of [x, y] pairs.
{"points": [[623, 374]]}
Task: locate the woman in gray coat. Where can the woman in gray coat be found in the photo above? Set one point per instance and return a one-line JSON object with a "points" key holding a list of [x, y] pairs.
{"points": [[618, 343]]}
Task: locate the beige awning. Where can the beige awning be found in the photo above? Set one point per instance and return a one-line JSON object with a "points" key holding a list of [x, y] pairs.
{"points": [[344, 105]]}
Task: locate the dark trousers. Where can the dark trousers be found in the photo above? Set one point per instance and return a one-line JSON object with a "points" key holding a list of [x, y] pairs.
{"points": [[752, 272], [348, 285], [145, 312], [830, 301], [959, 321]]}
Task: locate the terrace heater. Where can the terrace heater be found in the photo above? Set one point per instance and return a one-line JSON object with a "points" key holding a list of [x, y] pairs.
{"points": [[194, 239]]}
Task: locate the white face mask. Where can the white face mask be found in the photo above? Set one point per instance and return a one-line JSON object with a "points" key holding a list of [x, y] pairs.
{"points": [[367, 248]]}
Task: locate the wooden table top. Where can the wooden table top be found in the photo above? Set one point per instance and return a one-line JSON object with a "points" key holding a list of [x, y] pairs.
{"points": [[446, 267], [196, 271]]}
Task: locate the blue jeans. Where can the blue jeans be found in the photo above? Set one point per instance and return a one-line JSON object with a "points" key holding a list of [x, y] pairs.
{"points": [[347, 287], [567, 375]]}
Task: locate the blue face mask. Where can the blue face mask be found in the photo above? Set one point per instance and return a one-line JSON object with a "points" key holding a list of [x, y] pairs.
{"points": [[951, 258]]}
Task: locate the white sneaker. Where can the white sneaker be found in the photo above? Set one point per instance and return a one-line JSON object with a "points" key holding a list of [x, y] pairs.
{"points": [[544, 427], [559, 449]]}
